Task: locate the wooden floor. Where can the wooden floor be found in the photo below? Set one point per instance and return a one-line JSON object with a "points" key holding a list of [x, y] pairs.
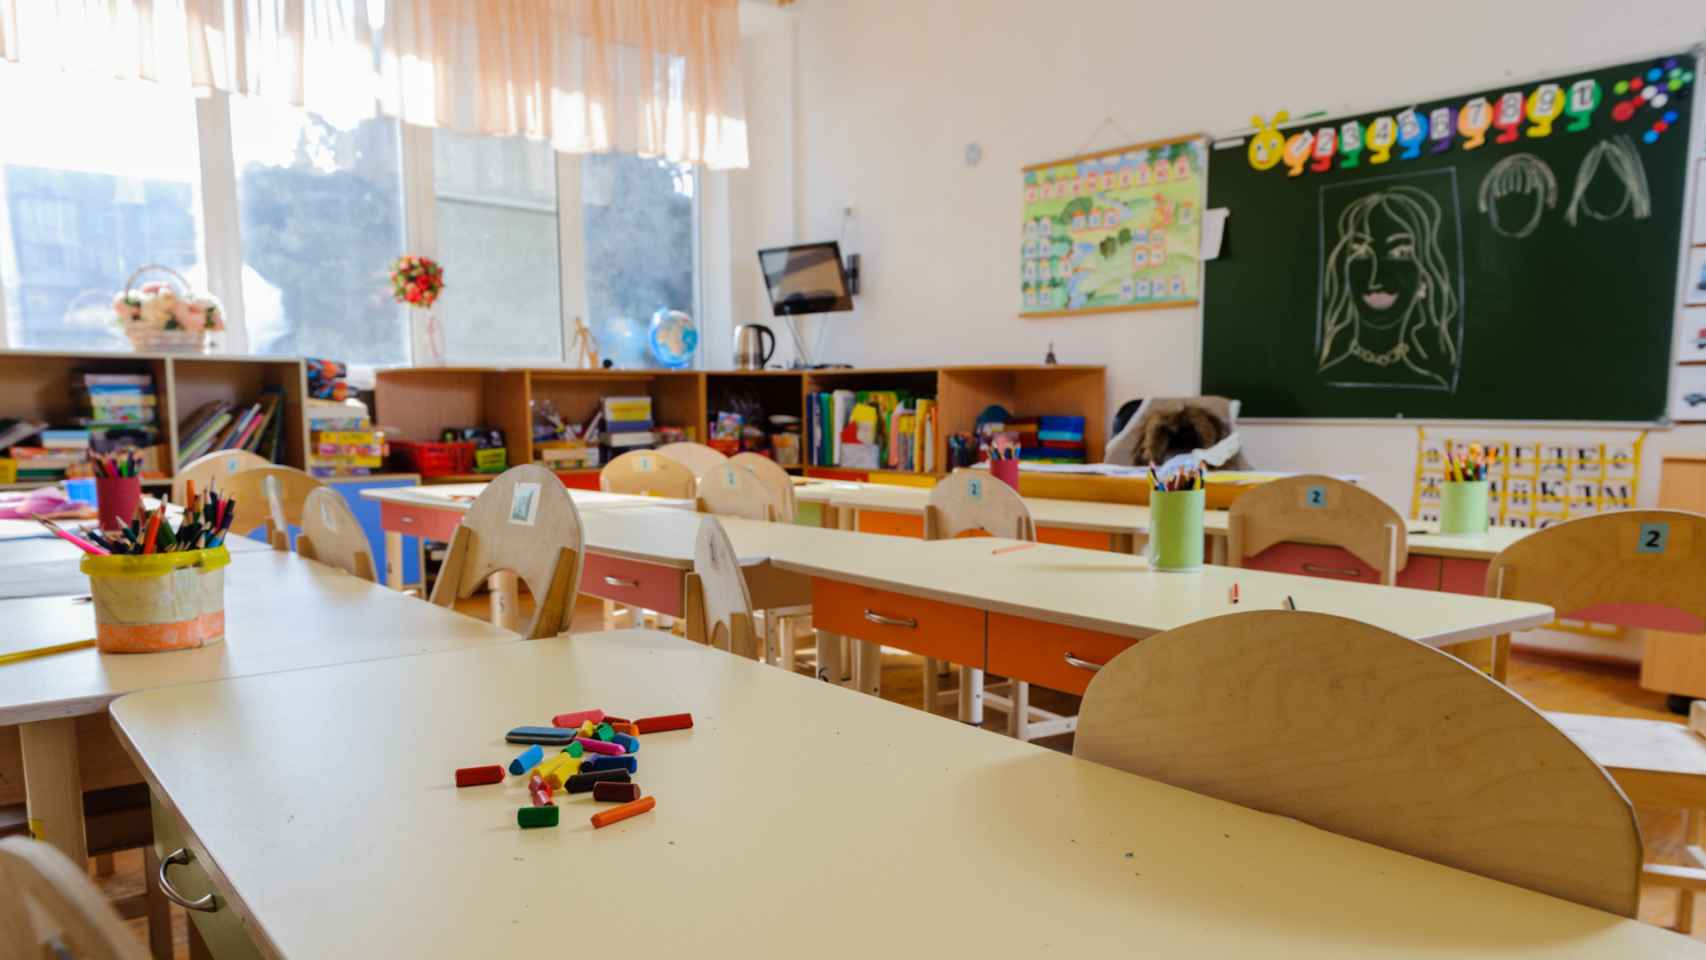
{"points": [[1550, 684]]}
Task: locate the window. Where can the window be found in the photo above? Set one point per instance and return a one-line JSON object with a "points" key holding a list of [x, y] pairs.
{"points": [[497, 236], [637, 221], [320, 213], [96, 181]]}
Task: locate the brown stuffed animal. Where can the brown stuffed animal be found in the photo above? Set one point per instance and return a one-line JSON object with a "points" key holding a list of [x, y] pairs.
{"points": [[1154, 430]]}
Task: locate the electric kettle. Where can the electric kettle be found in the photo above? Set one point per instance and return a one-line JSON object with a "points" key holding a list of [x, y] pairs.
{"points": [[754, 345]]}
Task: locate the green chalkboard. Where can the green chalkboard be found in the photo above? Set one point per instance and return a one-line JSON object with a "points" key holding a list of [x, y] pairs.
{"points": [[1530, 277]]}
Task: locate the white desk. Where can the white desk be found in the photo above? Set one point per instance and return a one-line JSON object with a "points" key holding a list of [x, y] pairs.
{"points": [[281, 613], [335, 832]]}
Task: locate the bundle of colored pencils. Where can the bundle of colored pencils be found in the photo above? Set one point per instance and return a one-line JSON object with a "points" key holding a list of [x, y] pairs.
{"points": [[1174, 477], [1470, 465], [204, 525], [125, 463]]}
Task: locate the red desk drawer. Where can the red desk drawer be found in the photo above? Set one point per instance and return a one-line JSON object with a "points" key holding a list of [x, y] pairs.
{"points": [[892, 524], [430, 523], [1036, 652], [1462, 575], [930, 627], [648, 585], [1335, 563], [1067, 537]]}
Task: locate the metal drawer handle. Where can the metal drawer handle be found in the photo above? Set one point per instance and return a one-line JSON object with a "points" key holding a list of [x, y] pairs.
{"points": [[1073, 661], [205, 904], [909, 623], [619, 582], [1331, 571], [409, 520]]}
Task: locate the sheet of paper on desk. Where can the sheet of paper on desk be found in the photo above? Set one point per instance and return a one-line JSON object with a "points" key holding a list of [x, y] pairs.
{"points": [[67, 619]]}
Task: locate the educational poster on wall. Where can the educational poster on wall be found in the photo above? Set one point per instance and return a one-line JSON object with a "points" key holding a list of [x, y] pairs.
{"points": [[1535, 483], [1116, 230], [1482, 256]]}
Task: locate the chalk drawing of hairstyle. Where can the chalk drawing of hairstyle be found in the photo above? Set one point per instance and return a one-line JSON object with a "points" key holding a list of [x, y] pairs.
{"points": [[1617, 153], [1521, 174]]}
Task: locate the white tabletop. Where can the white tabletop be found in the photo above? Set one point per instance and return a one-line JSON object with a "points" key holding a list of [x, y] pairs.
{"points": [[457, 496], [339, 834], [1119, 594], [281, 613], [666, 536]]}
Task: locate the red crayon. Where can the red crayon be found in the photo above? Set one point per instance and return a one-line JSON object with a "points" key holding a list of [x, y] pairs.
{"points": [[673, 721], [476, 776]]}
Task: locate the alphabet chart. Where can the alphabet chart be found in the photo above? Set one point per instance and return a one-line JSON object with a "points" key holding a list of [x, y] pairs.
{"points": [[1535, 483]]}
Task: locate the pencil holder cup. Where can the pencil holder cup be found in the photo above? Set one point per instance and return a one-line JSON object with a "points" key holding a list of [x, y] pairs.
{"points": [[1175, 530], [116, 500], [1463, 507], [1006, 471], [158, 601]]}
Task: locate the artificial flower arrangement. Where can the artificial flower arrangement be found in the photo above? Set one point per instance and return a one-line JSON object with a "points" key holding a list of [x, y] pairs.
{"points": [[158, 314], [416, 281]]}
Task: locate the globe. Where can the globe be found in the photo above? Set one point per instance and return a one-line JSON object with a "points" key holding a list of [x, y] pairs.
{"points": [[673, 338]]}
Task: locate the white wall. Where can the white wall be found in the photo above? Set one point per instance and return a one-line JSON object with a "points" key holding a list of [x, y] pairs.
{"points": [[887, 93]]}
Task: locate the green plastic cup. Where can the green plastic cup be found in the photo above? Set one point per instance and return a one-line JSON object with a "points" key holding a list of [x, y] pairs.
{"points": [[1463, 507], [1175, 530]]}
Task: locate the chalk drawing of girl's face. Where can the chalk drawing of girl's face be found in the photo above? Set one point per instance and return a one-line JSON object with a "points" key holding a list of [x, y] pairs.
{"points": [[1381, 270]]}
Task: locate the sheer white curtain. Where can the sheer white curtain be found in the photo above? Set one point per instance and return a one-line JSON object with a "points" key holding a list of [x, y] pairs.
{"points": [[650, 77]]}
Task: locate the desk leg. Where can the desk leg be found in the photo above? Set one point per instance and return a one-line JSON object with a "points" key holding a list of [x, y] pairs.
{"points": [[847, 518], [693, 608], [971, 696], [53, 786], [505, 598], [393, 560], [1217, 551], [828, 656], [868, 668]]}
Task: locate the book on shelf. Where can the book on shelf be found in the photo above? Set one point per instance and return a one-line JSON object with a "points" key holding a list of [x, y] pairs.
{"points": [[14, 431], [638, 438], [628, 410], [93, 378]]}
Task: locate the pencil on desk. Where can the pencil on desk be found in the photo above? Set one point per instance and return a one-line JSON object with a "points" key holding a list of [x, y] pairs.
{"points": [[45, 651], [998, 551]]}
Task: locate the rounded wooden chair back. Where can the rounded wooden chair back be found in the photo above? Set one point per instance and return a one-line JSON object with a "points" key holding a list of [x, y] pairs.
{"points": [[270, 497], [694, 456], [1321, 510], [332, 535], [728, 604], [1639, 568], [647, 473], [213, 468], [972, 500], [732, 490], [524, 523], [775, 479], [52, 909], [1370, 735]]}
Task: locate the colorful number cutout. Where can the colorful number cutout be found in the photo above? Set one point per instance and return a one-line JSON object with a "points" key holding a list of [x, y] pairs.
{"points": [[1509, 116], [1350, 144], [1585, 96], [1315, 497], [1297, 150], [1326, 148], [1473, 121], [1412, 132], [1442, 128], [1382, 135], [1543, 108]]}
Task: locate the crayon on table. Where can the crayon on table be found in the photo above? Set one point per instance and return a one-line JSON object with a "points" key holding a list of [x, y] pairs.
{"points": [[618, 814]]}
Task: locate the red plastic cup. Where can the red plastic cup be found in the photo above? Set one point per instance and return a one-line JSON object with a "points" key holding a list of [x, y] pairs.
{"points": [[1006, 471], [116, 499]]}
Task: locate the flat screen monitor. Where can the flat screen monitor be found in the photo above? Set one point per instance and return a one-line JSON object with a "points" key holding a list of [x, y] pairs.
{"points": [[806, 278]]}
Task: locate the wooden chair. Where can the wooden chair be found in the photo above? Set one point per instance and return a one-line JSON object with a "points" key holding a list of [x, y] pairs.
{"points": [[1372, 736], [734, 491], [694, 456], [269, 497], [775, 479], [1636, 568], [727, 602], [332, 535], [965, 502], [213, 468], [52, 909], [647, 473], [524, 523], [1318, 509]]}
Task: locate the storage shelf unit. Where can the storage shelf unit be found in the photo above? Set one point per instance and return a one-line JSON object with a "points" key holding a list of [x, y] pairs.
{"points": [[35, 384], [418, 402]]}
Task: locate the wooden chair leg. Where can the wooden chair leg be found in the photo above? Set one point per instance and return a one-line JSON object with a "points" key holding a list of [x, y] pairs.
{"points": [[103, 864], [932, 684], [159, 909], [1501, 656], [505, 599], [828, 657], [198, 946]]}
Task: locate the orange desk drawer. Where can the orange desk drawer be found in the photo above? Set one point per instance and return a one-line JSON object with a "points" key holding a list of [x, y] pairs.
{"points": [[647, 585], [428, 523], [1036, 652], [893, 524], [1067, 537], [935, 629]]}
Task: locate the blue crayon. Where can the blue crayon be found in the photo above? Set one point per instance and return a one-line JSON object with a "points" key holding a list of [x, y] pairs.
{"points": [[629, 743], [527, 761], [630, 764]]}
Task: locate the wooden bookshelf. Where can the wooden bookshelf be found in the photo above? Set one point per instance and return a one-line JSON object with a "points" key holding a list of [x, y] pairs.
{"points": [[418, 402]]}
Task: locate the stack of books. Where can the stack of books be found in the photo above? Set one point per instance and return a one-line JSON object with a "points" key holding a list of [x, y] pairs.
{"points": [[218, 425], [566, 454], [872, 429], [341, 439], [628, 424], [59, 451], [1044, 439], [120, 411]]}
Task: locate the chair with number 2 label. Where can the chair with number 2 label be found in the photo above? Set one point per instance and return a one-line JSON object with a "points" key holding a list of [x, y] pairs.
{"points": [[1633, 568], [1317, 510]]}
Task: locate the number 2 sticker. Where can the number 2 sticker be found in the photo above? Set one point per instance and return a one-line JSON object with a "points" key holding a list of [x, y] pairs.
{"points": [[975, 488], [1655, 537], [1315, 497]]}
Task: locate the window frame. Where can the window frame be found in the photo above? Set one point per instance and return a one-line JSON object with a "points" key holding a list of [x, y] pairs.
{"points": [[222, 232]]}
